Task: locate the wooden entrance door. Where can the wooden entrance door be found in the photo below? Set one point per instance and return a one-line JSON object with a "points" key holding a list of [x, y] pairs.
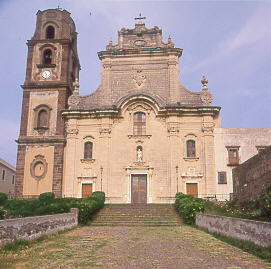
{"points": [[86, 190], [139, 189], [192, 189]]}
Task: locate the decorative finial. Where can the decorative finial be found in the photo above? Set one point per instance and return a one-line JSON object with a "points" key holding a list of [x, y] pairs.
{"points": [[204, 83], [58, 6], [76, 86], [110, 41], [140, 17]]}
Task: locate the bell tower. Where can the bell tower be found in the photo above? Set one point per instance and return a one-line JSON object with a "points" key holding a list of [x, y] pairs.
{"points": [[52, 68]]}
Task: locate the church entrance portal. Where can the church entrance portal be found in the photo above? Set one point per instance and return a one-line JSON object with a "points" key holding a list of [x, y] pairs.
{"points": [[139, 189]]}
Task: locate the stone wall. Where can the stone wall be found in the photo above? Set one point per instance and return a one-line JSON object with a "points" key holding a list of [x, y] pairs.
{"points": [[251, 177], [33, 227], [257, 232]]}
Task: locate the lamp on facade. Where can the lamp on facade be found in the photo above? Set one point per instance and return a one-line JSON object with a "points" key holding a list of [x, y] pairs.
{"points": [[177, 168], [101, 168]]}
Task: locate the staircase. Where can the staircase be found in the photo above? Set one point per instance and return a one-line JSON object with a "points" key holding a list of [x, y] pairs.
{"points": [[137, 215]]}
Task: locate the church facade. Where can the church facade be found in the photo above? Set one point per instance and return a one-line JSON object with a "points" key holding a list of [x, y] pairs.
{"points": [[140, 137]]}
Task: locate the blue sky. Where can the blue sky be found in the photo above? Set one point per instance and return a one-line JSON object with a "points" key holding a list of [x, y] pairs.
{"points": [[229, 41]]}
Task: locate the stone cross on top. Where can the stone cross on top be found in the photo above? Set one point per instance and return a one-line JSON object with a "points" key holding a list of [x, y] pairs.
{"points": [[140, 17]]}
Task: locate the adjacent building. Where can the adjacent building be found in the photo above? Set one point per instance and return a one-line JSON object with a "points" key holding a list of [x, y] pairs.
{"points": [[7, 178], [252, 177], [140, 137], [234, 146]]}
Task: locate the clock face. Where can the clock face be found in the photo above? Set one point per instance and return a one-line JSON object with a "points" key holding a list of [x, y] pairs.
{"points": [[46, 74]]}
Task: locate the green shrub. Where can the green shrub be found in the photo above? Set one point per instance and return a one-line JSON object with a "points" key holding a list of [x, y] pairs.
{"points": [[22, 208], [47, 197], [3, 198], [188, 207], [47, 204], [3, 212], [98, 195], [86, 208], [53, 208]]}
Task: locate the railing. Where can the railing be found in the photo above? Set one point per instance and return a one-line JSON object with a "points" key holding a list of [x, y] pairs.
{"points": [[211, 197], [218, 196]]}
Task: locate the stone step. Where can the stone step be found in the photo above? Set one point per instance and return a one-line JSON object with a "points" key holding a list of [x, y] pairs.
{"points": [[137, 215], [127, 223], [134, 224], [134, 219]]}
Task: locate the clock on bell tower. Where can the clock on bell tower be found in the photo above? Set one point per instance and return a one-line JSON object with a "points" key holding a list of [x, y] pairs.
{"points": [[52, 67]]}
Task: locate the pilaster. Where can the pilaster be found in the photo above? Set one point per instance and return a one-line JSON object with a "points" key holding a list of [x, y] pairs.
{"points": [[209, 155]]}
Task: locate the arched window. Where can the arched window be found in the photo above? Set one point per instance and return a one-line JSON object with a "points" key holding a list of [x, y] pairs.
{"points": [[191, 148], [50, 32], [47, 56], [43, 119], [139, 123], [88, 146]]}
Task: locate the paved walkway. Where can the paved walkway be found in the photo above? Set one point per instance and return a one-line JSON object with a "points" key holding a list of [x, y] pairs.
{"points": [[132, 247]]}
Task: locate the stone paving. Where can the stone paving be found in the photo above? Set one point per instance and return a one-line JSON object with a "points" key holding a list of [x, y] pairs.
{"points": [[132, 247]]}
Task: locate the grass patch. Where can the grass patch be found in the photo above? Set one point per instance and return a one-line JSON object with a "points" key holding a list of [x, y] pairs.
{"points": [[19, 244], [16, 244], [258, 251]]}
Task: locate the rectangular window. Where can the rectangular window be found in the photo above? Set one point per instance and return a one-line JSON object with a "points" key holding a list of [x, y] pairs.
{"points": [[139, 123], [233, 155], [88, 147], [3, 174], [191, 148], [222, 178], [13, 179]]}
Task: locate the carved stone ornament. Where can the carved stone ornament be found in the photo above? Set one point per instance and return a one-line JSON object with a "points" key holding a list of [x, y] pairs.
{"points": [[87, 161], [139, 163], [206, 98], [139, 78], [139, 107], [105, 130], [74, 99], [204, 83], [140, 43], [38, 167], [208, 127], [51, 14], [72, 132], [140, 137], [173, 128]]}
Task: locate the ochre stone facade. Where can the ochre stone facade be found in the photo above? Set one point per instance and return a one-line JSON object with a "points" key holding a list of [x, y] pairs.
{"points": [[140, 137]]}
